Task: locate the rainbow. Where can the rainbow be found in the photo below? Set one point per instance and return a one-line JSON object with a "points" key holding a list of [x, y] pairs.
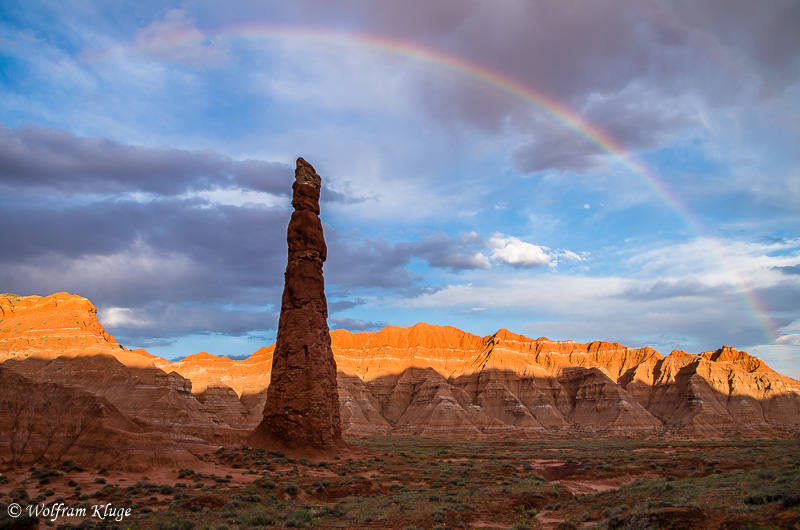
{"points": [[502, 83]]}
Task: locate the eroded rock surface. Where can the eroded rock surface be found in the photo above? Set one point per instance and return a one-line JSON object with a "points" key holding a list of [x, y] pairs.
{"points": [[421, 379], [46, 423], [302, 407]]}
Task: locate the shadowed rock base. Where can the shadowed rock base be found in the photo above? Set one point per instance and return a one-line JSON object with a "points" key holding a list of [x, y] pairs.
{"points": [[302, 408]]}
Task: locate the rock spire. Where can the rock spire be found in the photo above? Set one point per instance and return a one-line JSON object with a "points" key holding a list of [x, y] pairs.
{"points": [[302, 408]]}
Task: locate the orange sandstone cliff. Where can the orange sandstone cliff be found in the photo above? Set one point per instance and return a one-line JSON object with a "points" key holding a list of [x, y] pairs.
{"points": [[422, 379]]}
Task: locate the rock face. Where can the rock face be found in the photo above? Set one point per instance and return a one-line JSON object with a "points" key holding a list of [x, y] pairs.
{"points": [[46, 422], [433, 380], [58, 339], [302, 408], [440, 380]]}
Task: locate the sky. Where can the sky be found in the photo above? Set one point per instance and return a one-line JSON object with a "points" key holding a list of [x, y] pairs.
{"points": [[612, 170]]}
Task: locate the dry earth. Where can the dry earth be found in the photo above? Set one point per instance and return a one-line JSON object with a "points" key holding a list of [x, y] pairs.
{"points": [[400, 482]]}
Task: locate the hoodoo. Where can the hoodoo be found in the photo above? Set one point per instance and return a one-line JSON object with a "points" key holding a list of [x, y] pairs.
{"points": [[302, 407]]}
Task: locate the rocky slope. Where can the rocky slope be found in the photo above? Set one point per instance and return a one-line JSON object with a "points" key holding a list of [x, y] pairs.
{"points": [[422, 379], [58, 339], [45, 422]]}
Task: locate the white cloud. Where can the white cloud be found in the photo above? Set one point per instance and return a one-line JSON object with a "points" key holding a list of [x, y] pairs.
{"points": [[124, 317], [789, 340], [568, 255], [517, 253]]}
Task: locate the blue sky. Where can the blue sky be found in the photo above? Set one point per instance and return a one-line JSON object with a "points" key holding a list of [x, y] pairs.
{"points": [[147, 153]]}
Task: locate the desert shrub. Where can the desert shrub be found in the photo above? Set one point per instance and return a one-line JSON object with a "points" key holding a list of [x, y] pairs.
{"points": [[299, 519], [260, 520], [767, 475], [336, 510], [764, 497], [265, 483], [292, 489], [790, 501]]}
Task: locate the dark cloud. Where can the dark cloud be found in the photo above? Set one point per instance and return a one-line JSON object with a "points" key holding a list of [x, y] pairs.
{"points": [[418, 291], [369, 262], [558, 149], [171, 249], [356, 325], [791, 270], [173, 265], [329, 195], [762, 36], [640, 73], [56, 160], [366, 262], [451, 253], [159, 320], [342, 305], [783, 299]]}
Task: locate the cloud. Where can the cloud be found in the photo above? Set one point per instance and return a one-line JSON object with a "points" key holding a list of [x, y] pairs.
{"points": [[792, 339], [161, 320], [56, 160], [355, 260], [175, 38], [517, 253], [452, 253], [685, 288], [568, 255], [694, 307], [355, 325], [790, 269], [633, 119], [523, 255]]}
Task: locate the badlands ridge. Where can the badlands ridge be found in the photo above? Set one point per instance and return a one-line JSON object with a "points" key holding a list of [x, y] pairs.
{"points": [[69, 390]]}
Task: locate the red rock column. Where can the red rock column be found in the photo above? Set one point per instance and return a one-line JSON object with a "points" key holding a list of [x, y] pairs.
{"points": [[302, 408]]}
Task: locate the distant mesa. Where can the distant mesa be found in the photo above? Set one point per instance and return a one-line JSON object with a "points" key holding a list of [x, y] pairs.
{"points": [[423, 379]]}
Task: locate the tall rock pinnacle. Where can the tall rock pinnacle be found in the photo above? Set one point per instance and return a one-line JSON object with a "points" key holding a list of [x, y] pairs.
{"points": [[302, 408]]}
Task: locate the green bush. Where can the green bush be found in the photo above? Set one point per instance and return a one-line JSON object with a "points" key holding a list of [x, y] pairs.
{"points": [[260, 519], [299, 519]]}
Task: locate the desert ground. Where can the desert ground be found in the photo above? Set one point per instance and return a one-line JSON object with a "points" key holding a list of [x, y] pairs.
{"points": [[403, 482]]}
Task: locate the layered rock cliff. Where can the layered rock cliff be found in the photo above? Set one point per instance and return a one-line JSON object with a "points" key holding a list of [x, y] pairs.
{"points": [[422, 379], [44, 422], [58, 339]]}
